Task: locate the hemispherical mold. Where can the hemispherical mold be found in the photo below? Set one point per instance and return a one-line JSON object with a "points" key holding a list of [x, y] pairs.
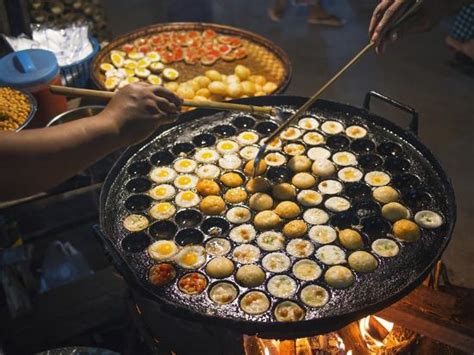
{"points": [[279, 174], [406, 182], [162, 230], [204, 140], [180, 148], [397, 165], [417, 199], [138, 203], [337, 142], [138, 185], [163, 157], [363, 146], [135, 242], [344, 219], [357, 191], [215, 226], [139, 168], [188, 218], [370, 161], [284, 115], [266, 127], [225, 130], [389, 148], [376, 226], [243, 122], [189, 236]]}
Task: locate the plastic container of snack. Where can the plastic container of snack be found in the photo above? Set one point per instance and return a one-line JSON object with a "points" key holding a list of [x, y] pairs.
{"points": [[33, 71]]}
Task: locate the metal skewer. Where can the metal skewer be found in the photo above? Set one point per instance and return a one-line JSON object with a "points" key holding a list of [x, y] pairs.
{"points": [[411, 9], [305, 107], [107, 95]]}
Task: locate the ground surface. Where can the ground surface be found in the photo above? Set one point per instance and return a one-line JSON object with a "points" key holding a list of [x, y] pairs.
{"points": [[414, 71]]}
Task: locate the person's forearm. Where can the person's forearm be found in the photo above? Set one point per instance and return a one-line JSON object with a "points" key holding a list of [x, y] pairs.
{"points": [[36, 160], [32, 161]]}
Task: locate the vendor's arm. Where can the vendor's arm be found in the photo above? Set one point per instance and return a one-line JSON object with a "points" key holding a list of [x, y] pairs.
{"points": [[430, 14], [35, 160]]}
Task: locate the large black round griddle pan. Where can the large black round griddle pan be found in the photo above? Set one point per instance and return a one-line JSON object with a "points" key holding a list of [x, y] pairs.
{"points": [[394, 278]]}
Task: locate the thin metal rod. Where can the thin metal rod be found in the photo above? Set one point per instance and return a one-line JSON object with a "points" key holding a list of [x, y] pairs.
{"points": [[100, 94], [408, 12], [306, 106], [313, 98]]}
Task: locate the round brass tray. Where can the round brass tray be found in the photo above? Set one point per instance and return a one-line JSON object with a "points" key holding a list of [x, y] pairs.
{"points": [[264, 57]]}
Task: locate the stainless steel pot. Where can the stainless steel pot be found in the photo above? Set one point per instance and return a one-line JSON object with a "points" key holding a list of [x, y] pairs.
{"points": [[33, 107], [75, 114]]}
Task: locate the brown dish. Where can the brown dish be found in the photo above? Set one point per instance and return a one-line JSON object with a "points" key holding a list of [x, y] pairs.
{"points": [[261, 56]]}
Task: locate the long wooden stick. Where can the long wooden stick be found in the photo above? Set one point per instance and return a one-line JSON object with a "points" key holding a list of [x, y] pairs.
{"points": [[100, 94]]}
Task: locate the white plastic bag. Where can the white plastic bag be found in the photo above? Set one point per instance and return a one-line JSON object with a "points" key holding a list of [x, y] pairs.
{"points": [[62, 264], [70, 44]]}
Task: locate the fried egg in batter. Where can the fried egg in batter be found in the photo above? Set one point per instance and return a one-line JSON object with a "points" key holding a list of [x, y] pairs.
{"points": [[186, 181], [184, 165], [162, 174], [191, 257], [247, 137], [227, 147], [377, 178], [162, 210], [163, 250], [206, 155], [187, 199]]}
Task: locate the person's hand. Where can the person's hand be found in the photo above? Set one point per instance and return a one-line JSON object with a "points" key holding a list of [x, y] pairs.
{"points": [[138, 109], [388, 11]]}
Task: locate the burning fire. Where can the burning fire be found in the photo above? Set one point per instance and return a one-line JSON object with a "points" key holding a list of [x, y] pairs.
{"points": [[374, 331], [369, 335], [330, 343]]}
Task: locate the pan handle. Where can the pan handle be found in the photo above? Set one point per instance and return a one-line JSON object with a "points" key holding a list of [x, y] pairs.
{"points": [[413, 125]]}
